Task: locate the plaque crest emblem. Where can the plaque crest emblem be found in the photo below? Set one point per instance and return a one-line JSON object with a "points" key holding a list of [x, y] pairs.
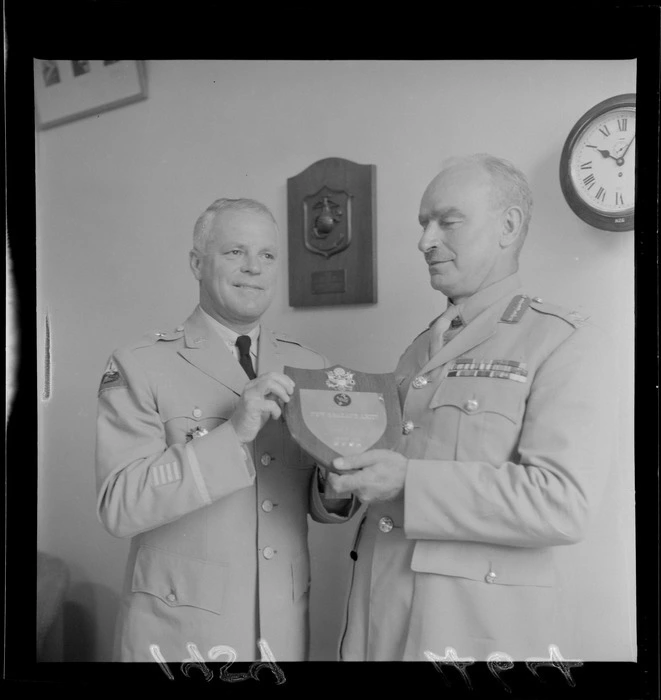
{"points": [[328, 422], [340, 380], [327, 221]]}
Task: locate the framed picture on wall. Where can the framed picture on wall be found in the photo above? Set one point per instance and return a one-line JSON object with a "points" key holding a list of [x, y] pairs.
{"points": [[69, 90]]}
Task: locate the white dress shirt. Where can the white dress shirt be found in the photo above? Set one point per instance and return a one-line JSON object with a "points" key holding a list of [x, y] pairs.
{"points": [[228, 336]]}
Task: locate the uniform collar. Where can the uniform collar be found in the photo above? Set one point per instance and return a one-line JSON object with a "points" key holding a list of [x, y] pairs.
{"points": [[227, 335], [472, 307]]}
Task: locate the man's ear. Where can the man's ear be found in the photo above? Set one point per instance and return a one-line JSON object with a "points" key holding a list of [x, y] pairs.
{"points": [[511, 226], [195, 260]]}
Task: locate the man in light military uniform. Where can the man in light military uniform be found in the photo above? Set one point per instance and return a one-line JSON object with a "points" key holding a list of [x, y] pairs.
{"points": [[195, 464], [507, 412]]}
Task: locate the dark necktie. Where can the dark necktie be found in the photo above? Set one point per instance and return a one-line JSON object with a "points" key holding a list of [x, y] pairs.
{"points": [[243, 343]]}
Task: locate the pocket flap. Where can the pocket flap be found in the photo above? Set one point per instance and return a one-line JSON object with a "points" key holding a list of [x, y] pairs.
{"points": [[179, 580], [492, 565], [475, 395], [300, 573]]}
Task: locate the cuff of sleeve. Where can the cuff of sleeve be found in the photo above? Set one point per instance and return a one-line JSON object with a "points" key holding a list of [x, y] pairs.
{"points": [[220, 463], [345, 504], [419, 475]]}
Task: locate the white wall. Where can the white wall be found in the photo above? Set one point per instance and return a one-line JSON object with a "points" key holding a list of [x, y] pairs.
{"points": [[117, 198]]}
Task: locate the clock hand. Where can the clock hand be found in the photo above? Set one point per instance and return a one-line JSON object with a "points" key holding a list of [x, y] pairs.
{"points": [[605, 154], [620, 160]]}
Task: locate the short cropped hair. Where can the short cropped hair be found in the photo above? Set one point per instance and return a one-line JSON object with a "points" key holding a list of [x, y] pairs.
{"points": [[204, 223], [509, 185]]}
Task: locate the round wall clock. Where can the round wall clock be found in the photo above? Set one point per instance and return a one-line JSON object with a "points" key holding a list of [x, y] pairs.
{"points": [[597, 166]]}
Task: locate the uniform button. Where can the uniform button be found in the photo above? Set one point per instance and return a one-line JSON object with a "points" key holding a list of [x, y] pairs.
{"points": [[407, 427], [386, 524], [265, 459], [490, 577], [471, 405], [197, 412], [268, 553], [419, 382], [267, 506], [159, 335], [171, 597], [537, 300]]}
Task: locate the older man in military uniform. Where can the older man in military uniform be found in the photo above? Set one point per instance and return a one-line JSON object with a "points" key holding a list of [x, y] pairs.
{"points": [[195, 464], [505, 447]]}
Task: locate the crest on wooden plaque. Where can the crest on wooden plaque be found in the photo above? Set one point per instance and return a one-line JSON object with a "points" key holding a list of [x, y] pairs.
{"points": [[327, 221]]}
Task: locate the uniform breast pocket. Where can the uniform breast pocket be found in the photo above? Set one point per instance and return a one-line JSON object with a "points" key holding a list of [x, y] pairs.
{"points": [[476, 419], [185, 422]]}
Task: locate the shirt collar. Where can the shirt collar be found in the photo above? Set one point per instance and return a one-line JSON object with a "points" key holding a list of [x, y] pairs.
{"points": [[228, 336], [473, 306]]}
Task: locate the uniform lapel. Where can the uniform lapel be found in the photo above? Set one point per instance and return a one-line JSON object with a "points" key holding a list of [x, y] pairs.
{"points": [[268, 358], [477, 331], [205, 350], [411, 363]]}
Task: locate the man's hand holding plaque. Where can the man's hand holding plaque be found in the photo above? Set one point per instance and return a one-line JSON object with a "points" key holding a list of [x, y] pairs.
{"points": [[375, 475], [340, 413], [262, 399]]}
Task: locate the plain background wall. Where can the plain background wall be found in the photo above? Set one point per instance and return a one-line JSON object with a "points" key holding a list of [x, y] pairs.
{"points": [[118, 194]]}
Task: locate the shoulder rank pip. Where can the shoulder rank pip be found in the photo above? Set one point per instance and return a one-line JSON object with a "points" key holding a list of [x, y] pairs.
{"points": [[169, 335]]}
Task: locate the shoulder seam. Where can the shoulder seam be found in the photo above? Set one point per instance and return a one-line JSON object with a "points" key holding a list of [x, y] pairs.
{"points": [[573, 318], [286, 339], [153, 337]]}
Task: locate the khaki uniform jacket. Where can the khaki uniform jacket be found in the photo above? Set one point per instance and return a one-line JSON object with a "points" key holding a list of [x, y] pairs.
{"points": [[506, 462], [219, 550]]}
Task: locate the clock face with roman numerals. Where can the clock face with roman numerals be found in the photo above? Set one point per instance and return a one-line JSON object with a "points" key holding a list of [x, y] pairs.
{"points": [[597, 168]]}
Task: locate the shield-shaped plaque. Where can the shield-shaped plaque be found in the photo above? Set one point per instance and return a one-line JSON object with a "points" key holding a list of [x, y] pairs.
{"points": [[336, 412]]}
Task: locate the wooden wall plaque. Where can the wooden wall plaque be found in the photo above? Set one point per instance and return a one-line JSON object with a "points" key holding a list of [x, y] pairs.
{"points": [[332, 234]]}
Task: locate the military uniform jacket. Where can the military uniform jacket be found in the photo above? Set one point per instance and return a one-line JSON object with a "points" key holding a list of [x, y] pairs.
{"points": [[507, 431], [219, 531]]}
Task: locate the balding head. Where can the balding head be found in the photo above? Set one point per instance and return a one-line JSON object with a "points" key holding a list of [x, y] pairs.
{"points": [[509, 186], [474, 215]]}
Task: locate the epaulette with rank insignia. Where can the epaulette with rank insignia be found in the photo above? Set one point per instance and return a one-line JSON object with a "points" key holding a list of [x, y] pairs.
{"points": [[170, 335], [516, 309], [154, 336], [572, 317]]}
